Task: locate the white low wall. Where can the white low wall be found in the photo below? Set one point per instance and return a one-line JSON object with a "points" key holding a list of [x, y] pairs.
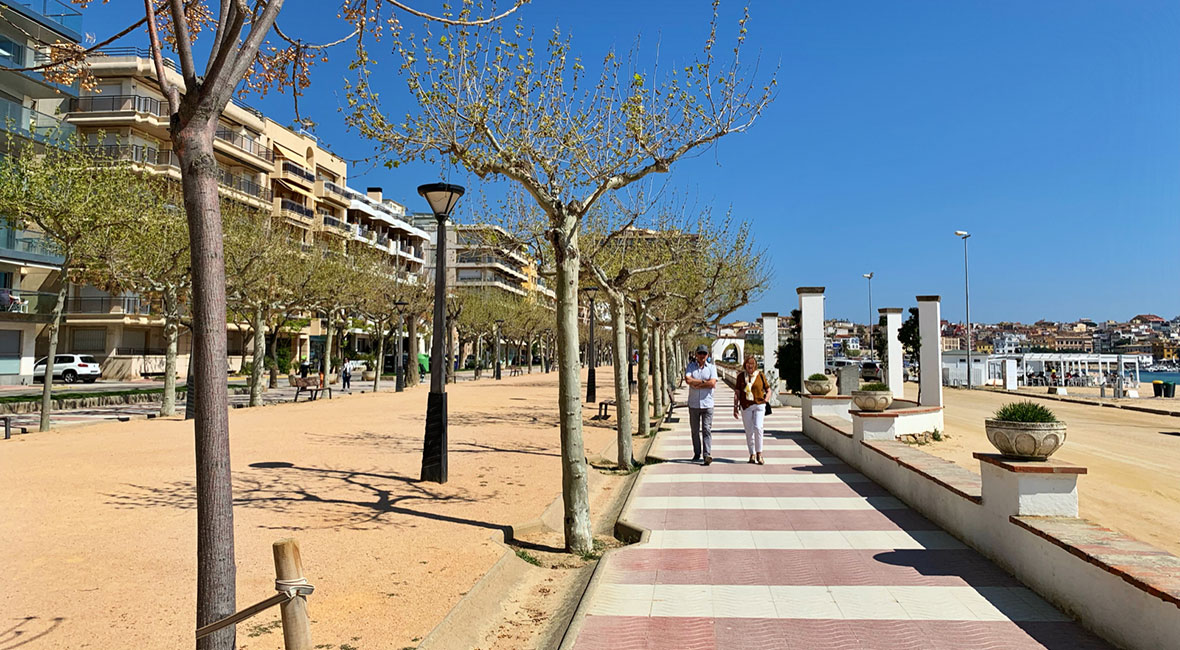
{"points": [[1106, 603], [890, 425]]}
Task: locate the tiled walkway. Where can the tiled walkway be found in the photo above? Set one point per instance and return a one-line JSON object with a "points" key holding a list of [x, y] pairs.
{"points": [[803, 552]]}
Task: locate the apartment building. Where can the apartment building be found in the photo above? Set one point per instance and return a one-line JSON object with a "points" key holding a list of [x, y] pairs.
{"points": [[30, 112], [479, 256], [282, 172]]}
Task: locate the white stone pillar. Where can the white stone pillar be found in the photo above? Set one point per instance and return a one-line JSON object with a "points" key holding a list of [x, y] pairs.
{"points": [[930, 355], [894, 364], [811, 308], [770, 353]]}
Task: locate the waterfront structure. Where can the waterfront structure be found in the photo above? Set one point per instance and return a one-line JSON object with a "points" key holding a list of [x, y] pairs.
{"points": [[30, 113]]}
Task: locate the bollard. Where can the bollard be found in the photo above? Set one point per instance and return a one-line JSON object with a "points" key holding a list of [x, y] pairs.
{"points": [[289, 570], [7, 427]]}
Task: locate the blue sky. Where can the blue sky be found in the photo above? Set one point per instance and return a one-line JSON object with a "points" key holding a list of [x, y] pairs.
{"points": [[1049, 129]]}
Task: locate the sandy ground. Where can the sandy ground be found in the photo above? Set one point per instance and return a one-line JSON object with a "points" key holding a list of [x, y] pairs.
{"points": [[1133, 459], [99, 522]]}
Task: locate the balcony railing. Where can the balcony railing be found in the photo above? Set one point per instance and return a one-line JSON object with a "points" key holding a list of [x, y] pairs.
{"points": [[29, 246], [137, 153], [29, 123], [140, 352], [144, 53], [298, 171], [54, 11], [132, 305], [291, 206], [40, 303], [245, 185], [245, 144], [383, 240], [333, 222], [119, 103], [336, 189]]}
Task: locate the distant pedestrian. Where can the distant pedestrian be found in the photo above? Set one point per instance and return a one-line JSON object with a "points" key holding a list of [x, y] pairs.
{"points": [[701, 377], [346, 375], [304, 368], [749, 404]]}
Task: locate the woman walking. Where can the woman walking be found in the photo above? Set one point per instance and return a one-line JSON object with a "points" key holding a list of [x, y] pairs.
{"points": [[749, 400]]}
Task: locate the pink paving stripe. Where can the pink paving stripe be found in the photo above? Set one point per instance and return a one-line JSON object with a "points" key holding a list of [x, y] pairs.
{"points": [[626, 633], [701, 519], [783, 466], [929, 568], [698, 489]]}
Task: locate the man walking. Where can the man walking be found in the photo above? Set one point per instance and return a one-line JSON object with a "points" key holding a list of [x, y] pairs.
{"points": [[701, 377]]}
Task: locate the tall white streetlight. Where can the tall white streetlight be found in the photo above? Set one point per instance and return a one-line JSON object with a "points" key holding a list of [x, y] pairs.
{"points": [[964, 235], [869, 276]]}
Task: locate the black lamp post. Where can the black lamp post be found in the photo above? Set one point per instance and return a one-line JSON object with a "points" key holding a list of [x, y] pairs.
{"points": [[591, 392], [442, 198], [398, 365], [496, 368]]}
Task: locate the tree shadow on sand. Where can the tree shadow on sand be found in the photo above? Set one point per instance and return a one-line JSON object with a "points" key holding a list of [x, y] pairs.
{"points": [[340, 498], [26, 630]]}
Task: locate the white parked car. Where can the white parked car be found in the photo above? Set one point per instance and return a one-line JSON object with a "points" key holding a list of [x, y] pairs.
{"points": [[70, 368]]}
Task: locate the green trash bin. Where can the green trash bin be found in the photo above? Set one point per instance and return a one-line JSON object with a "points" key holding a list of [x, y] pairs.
{"points": [[1169, 389], [1157, 388]]}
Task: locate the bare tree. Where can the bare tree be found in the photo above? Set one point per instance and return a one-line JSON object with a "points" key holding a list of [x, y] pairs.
{"points": [[505, 107]]}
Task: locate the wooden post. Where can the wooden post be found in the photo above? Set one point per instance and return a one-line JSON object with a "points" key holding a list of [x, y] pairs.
{"points": [[296, 624]]}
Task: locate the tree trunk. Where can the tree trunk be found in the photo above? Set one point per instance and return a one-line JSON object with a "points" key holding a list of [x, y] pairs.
{"points": [[190, 382], [54, 328], [666, 370], [327, 362], [412, 376], [379, 364], [259, 357], [479, 356], [578, 535], [171, 334], [216, 572], [643, 336], [274, 358], [618, 315], [657, 375]]}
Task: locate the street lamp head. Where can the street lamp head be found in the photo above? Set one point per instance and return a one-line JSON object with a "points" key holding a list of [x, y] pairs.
{"points": [[400, 303], [867, 276], [962, 233], [499, 321], [592, 289], [442, 198]]}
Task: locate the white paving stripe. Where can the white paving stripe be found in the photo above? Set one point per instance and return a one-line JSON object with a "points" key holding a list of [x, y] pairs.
{"points": [[937, 603], [720, 477], [796, 461], [791, 540], [767, 503]]}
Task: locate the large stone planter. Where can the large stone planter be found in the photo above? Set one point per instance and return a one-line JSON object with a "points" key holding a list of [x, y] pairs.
{"points": [[818, 387], [872, 400], [368, 375], [1025, 440]]}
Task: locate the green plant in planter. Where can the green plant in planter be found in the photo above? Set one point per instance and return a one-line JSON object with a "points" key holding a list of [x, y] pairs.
{"points": [[875, 386], [819, 376], [1024, 412]]}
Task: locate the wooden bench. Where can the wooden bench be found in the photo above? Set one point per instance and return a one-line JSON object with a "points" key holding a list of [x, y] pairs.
{"points": [[311, 385]]}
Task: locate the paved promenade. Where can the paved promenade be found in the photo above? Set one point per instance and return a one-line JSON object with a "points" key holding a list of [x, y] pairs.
{"points": [[803, 552]]}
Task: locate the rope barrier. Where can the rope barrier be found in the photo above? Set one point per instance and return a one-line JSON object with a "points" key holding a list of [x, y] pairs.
{"points": [[288, 589]]}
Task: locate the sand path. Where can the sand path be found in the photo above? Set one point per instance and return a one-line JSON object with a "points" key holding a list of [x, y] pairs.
{"points": [[1133, 459], [99, 522]]}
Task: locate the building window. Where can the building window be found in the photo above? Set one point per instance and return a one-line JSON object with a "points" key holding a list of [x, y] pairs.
{"points": [[11, 53], [89, 340], [10, 352]]}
